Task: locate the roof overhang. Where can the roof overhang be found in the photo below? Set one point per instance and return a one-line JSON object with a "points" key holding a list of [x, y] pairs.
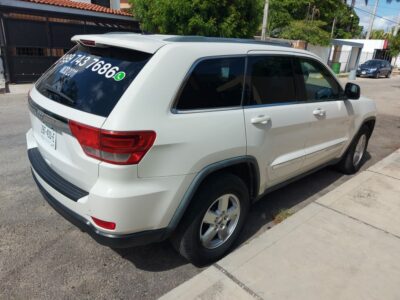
{"points": [[63, 10], [339, 42]]}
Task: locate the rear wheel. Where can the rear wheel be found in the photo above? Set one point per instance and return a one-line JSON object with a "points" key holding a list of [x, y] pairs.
{"points": [[214, 221], [352, 160]]}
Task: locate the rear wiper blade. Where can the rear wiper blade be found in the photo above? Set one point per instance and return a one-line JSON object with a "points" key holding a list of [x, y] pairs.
{"points": [[58, 93]]}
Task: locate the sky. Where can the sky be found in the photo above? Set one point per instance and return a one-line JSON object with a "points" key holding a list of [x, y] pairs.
{"points": [[389, 11]]}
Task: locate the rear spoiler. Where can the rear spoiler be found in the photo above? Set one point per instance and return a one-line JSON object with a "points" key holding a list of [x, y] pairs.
{"points": [[134, 41]]}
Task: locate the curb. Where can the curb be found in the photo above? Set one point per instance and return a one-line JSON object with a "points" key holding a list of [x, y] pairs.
{"points": [[280, 263]]}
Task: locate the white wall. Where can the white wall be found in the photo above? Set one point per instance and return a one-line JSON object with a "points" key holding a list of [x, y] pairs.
{"points": [[321, 51], [115, 4], [369, 45], [397, 61], [2, 79]]}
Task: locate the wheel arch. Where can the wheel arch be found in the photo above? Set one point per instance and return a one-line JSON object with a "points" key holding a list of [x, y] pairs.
{"points": [[245, 167], [370, 123]]}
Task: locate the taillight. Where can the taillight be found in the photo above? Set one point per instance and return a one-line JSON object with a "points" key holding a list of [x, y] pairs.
{"points": [[115, 147], [104, 224]]}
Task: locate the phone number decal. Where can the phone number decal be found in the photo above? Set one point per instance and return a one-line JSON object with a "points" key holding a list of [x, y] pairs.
{"points": [[95, 65]]}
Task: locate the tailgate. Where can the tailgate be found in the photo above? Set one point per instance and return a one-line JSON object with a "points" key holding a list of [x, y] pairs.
{"points": [[84, 86], [56, 144]]}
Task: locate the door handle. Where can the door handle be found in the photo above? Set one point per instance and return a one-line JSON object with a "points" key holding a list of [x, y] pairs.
{"points": [[319, 112], [262, 119]]}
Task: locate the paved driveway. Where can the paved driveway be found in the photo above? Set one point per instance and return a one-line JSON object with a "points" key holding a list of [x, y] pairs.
{"points": [[43, 256]]}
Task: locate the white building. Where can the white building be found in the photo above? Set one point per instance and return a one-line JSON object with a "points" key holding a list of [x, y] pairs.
{"points": [[367, 53], [352, 52], [371, 49]]}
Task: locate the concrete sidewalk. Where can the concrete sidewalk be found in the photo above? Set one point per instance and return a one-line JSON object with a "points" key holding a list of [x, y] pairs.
{"points": [[346, 245]]}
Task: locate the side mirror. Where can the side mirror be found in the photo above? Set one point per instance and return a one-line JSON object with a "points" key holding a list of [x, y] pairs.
{"points": [[352, 91]]}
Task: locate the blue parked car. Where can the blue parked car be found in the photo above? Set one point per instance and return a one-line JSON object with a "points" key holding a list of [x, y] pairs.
{"points": [[375, 68]]}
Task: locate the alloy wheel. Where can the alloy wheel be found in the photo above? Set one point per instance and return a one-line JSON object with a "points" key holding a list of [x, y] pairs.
{"points": [[220, 221], [359, 150]]}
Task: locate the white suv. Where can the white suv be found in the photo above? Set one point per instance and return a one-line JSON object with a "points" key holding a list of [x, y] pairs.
{"points": [[140, 138]]}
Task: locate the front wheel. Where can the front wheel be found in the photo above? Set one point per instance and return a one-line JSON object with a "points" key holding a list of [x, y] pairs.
{"points": [[352, 159], [213, 221], [388, 74]]}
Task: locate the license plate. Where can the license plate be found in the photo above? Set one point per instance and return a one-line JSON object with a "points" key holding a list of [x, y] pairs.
{"points": [[363, 72], [48, 135]]}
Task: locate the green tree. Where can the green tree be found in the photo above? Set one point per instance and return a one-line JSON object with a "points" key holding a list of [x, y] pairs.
{"points": [[309, 31], [379, 35], [283, 12], [394, 46], [225, 18]]}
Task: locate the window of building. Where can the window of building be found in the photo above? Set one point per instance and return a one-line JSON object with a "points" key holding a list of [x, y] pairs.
{"points": [[105, 3]]}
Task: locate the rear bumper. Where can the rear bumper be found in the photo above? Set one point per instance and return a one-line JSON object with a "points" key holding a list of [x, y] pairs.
{"points": [[367, 73], [52, 178], [67, 189]]}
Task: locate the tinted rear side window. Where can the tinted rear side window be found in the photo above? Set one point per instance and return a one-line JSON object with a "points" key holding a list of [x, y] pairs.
{"points": [[213, 83], [92, 79], [271, 80]]}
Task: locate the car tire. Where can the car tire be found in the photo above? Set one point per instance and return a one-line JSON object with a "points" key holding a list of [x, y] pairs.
{"points": [[377, 75], [192, 238], [388, 74], [352, 160]]}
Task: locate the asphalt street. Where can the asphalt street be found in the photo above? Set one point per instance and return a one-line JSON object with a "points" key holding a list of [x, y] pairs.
{"points": [[42, 256]]}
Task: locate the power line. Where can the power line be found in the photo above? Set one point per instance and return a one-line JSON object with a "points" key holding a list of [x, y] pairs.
{"points": [[378, 16]]}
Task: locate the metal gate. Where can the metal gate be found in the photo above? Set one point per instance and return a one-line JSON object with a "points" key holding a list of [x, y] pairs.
{"points": [[382, 54], [34, 43]]}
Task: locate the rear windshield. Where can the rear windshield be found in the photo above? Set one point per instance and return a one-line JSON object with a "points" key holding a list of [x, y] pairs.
{"points": [[92, 79]]}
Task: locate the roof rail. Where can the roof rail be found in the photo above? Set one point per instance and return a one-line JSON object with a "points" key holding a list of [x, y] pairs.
{"points": [[123, 32], [204, 39]]}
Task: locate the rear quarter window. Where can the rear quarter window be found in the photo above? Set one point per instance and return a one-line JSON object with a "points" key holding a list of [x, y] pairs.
{"points": [[92, 79]]}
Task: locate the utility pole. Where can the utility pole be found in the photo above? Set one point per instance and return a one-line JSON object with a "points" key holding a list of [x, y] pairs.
{"points": [[371, 21], [312, 13], [308, 10], [397, 27], [265, 21], [333, 27]]}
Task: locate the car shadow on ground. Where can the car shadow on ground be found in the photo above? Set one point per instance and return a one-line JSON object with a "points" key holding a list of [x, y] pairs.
{"points": [[154, 257], [162, 256]]}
